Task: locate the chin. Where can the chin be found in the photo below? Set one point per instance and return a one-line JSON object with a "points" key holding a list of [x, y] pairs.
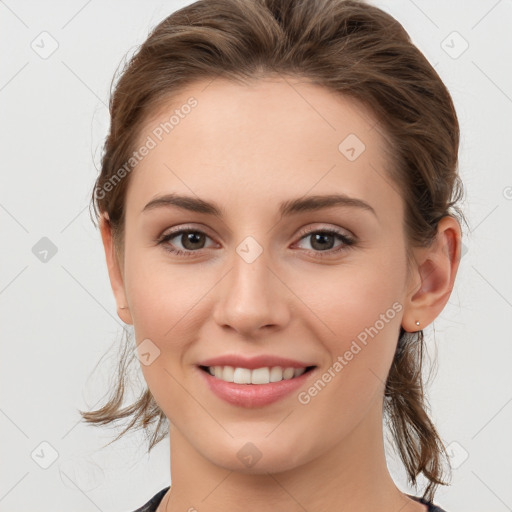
{"points": [[257, 456]]}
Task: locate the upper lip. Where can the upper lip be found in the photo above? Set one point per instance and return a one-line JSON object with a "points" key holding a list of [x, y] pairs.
{"points": [[238, 361]]}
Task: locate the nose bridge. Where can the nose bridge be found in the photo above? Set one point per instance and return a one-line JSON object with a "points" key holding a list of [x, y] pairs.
{"points": [[251, 296]]}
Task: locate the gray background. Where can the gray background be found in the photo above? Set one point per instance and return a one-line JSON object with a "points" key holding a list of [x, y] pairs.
{"points": [[58, 316]]}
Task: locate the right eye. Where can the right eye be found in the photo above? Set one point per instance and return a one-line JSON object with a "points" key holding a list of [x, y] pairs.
{"points": [[192, 241]]}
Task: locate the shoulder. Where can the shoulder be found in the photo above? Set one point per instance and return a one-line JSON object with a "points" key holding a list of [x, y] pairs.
{"points": [[153, 503], [435, 508], [431, 506]]}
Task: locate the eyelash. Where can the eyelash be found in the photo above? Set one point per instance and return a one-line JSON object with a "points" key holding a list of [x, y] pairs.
{"points": [[348, 242]]}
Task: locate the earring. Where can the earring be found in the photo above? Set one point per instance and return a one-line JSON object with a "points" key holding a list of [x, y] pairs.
{"points": [[417, 322]]}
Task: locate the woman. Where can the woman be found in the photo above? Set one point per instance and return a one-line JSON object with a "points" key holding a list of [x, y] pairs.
{"points": [[277, 203]]}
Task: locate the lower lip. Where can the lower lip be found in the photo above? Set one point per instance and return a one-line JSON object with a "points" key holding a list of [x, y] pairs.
{"points": [[254, 395]]}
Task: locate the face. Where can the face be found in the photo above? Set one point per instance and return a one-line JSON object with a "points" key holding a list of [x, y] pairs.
{"points": [[322, 286]]}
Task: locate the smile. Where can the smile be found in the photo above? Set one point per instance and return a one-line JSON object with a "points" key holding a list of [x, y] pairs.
{"points": [[257, 376], [261, 390]]}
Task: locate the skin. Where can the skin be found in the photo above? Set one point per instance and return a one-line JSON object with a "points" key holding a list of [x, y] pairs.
{"points": [[248, 147]]}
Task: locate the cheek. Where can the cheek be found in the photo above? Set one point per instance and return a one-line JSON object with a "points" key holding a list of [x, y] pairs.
{"points": [[162, 295], [351, 297], [360, 314], [165, 302]]}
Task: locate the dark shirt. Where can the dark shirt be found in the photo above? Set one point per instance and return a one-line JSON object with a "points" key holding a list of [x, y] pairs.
{"points": [[153, 503]]}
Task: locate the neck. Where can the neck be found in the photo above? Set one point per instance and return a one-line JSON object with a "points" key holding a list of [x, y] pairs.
{"points": [[350, 476]]}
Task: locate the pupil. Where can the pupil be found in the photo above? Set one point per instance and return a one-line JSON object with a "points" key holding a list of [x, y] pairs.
{"points": [[322, 237], [191, 238]]}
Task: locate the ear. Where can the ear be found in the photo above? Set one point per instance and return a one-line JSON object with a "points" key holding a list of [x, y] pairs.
{"points": [[114, 270], [434, 276]]}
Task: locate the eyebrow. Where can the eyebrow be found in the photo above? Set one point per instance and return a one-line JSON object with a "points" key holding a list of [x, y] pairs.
{"points": [[286, 208]]}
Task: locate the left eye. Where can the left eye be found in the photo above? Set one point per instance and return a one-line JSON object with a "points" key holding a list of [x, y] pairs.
{"points": [[322, 240]]}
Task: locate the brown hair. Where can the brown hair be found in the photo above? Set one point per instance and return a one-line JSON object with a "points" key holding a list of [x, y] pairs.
{"points": [[349, 47]]}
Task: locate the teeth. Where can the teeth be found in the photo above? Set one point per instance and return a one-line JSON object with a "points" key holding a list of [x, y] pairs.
{"points": [[256, 376]]}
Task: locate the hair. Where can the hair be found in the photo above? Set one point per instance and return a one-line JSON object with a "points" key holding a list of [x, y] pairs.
{"points": [[346, 46]]}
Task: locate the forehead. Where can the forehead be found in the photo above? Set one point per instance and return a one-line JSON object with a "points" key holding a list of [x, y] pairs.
{"points": [[268, 139]]}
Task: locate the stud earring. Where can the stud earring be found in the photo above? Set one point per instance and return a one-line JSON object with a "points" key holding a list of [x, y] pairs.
{"points": [[417, 322]]}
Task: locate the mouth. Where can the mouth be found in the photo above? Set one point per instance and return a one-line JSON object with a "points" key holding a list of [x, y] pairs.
{"points": [[254, 388], [256, 376]]}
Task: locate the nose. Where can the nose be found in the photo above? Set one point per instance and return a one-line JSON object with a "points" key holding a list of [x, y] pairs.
{"points": [[252, 298]]}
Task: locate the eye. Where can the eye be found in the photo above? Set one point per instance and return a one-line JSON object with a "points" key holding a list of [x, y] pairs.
{"points": [[192, 241], [322, 240]]}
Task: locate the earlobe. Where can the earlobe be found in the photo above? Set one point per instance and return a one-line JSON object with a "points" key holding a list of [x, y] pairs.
{"points": [[114, 271], [437, 268]]}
